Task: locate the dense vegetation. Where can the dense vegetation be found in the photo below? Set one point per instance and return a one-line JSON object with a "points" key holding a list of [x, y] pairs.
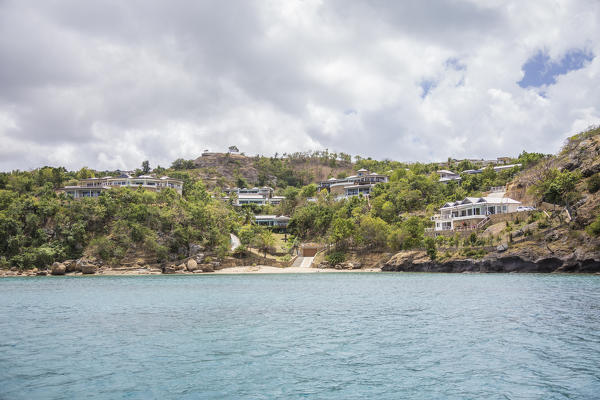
{"points": [[39, 226]]}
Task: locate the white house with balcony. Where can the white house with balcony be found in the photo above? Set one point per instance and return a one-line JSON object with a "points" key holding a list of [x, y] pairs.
{"points": [[259, 196], [470, 212], [92, 187], [356, 185], [272, 221], [448, 176]]}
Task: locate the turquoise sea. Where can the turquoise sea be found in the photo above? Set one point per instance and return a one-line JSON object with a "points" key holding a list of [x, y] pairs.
{"points": [[305, 336]]}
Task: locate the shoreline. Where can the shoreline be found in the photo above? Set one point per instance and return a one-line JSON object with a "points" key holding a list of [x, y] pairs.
{"points": [[268, 270], [258, 269]]}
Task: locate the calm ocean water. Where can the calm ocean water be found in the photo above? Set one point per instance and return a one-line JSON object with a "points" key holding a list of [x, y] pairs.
{"points": [[315, 336]]}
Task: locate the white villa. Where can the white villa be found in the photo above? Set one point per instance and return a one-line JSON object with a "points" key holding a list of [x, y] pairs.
{"points": [[448, 176], [360, 184], [471, 211], [92, 187], [259, 196], [272, 221]]}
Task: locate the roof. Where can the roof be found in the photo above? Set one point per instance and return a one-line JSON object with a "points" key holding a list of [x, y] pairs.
{"points": [[445, 171], [277, 217], [362, 170], [486, 200]]}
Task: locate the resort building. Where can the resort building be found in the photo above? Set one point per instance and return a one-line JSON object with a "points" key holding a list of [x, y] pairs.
{"points": [[478, 162], [360, 184], [470, 212], [272, 221], [258, 196], [92, 187], [448, 176]]}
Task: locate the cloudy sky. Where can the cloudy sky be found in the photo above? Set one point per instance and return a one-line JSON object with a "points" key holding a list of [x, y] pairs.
{"points": [[108, 84]]}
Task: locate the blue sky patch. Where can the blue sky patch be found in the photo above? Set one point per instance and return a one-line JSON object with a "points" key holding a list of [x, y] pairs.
{"points": [[427, 85], [455, 64], [541, 70]]}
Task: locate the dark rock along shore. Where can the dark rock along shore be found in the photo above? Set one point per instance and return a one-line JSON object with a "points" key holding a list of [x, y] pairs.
{"points": [[418, 261]]}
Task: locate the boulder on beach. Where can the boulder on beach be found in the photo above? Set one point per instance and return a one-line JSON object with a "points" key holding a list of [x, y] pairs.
{"points": [[179, 267], [192, 265], [88, 268], [207, 268], [169, 270], [71, 266], [58, 269]]}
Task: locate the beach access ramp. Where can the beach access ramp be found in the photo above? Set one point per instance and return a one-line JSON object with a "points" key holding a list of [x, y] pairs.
{"points": [[303, 262]]}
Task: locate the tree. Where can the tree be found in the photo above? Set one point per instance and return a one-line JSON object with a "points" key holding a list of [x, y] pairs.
{"points": [[84, 173], [373, 231], [342, 230], [558, 187], [146, 167], [309, 191], [180, 164], [430, 248], [246, 234], [265, 240], [233, 149]]}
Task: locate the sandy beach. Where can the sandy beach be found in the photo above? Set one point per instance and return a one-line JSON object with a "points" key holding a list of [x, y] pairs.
{"points": [[263, 269], [257, 269]]}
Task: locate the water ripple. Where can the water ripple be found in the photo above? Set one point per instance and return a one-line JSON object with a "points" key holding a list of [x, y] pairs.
{"points": [[321, 336]]}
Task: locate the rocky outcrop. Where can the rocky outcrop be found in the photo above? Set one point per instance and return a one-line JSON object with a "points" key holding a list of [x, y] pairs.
{"points": [[207, 267], [191, 265], [58, 269], [418, 261], [72, 266]]}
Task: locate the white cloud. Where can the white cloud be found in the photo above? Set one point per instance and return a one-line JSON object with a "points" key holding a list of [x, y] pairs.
{"points": [[110, 84]]}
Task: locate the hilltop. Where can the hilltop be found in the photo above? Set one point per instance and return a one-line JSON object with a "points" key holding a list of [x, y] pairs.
{"points": [[231, 169]]}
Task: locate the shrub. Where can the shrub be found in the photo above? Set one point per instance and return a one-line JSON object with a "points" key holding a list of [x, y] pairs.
{"points": [[594, 228], [593, 183], [336, 257], [103, 248], [240, 251], [430, 248]]}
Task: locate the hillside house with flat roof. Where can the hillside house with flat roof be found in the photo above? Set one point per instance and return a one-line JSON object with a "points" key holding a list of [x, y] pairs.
{"points": [[259, 196], [471, 211], [93, 187], [360, 184]]}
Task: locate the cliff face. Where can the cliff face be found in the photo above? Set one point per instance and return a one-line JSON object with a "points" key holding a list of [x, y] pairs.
{"points": [[229, 166], [418, 261]]}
